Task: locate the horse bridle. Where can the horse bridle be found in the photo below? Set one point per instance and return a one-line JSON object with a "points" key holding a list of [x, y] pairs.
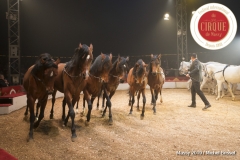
{"points": [[34, 76], [100, 79]]}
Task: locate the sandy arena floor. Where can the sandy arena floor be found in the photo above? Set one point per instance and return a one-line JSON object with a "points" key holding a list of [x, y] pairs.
{"points": [[174, 128]]}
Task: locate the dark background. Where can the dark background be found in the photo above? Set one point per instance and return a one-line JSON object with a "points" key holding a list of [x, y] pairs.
{"points": [[125, 27]]}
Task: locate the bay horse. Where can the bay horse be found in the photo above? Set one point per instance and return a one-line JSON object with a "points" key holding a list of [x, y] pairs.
{"points": [[98, 74], [137, 80], [118, 71], [156, 79], [38, 83], [71, 81]]}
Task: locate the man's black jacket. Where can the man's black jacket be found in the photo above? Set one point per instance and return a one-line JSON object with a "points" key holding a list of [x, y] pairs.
{"points": [[196, 71]]}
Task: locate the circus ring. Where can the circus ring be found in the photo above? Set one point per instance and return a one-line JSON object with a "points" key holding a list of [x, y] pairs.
{"points": [[175, 132]]}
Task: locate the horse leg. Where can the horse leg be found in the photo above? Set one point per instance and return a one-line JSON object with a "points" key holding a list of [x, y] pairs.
{"points": [[223, 90], [26, 112], [230, 90], [77, 105], [83, 111], [30, 104], [109, 105], [103, 101], [144, 102], [160, 93], [156, 94], [63, 109], [153, 100], [98, 102], [138, 97], [104, 108], [43, 103], [37, 109], [132, 102], [219, 84], [53, 102], [71, 113]]}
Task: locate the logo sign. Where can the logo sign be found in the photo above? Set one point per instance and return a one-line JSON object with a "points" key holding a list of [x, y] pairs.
{"points": [[213, 26]]}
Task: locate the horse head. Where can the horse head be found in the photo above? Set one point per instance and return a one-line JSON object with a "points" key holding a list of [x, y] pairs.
{"points": [[85, 57], [102, 66], [155, 64], [121, 66], [184, 67], [45, 71], [140, 71]]}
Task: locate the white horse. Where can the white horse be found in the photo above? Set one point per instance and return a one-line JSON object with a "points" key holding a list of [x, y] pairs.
{"points": [[231, 75], [183, 70]]}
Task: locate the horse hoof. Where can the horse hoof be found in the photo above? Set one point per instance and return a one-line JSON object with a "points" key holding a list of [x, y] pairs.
{"points": [[110, 122], [154, 113], [103, 115], [74, 137], [51, 117], [141, 117], [30, 139], [86, 123]]}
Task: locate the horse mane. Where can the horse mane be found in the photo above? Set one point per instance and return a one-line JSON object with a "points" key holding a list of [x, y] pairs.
{"points": [[141, 68], [77, 57], [43, 62], [97, 64], [153, 59]]}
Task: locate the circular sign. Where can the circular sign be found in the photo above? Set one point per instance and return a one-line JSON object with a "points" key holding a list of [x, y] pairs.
{"points": [[213, 26]]}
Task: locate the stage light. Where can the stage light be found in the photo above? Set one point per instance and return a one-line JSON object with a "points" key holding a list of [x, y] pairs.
{"points": [[166, 16]]}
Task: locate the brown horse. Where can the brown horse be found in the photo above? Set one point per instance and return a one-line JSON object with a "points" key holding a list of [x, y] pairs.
{"points": [[98, 74], [137, 79], [156, 79], [38, 82], [71, 81], [118, 71]]}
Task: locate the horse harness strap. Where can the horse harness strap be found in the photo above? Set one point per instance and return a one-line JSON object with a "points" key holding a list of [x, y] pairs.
{"points": [[39, 80], [223, 72], [100, 79], [80, 74]]}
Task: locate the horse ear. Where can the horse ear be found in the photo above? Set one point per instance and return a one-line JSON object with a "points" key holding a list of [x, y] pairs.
{"points": [[119, 58], [91, 47], [103, 56], [57, 61], [159, 56], [110, 56], [151, 55], [127, 59], [80, 46], [136, 64]]}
